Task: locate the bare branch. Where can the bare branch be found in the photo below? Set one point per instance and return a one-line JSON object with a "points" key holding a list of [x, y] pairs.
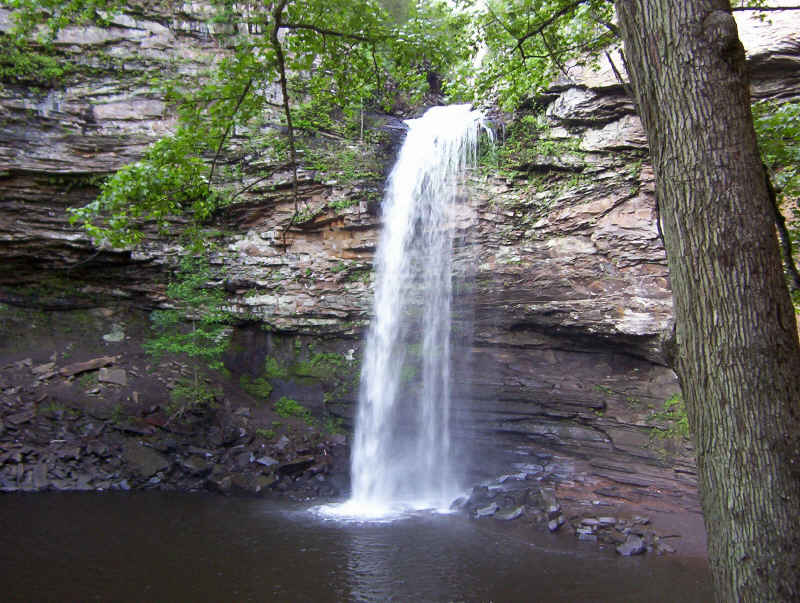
{"points": [[555, 58], [277, 15], [765, 9], [606, 23], [239, 102], [620, 79], [542, 25], [330, 32]]}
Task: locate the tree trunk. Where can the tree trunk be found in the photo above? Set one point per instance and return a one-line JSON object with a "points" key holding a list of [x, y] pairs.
{"points": [[738, 357]]}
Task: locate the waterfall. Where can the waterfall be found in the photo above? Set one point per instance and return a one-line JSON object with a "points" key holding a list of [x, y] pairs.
{"points": [[402, 450]]}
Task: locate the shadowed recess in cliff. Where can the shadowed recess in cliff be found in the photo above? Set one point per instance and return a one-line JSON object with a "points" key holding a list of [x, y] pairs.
{"points": [[402, 452]]}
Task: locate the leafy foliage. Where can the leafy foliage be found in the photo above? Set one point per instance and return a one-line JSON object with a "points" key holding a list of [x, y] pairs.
{"points": [[168, 181], [527, 43], [256, 386], [335, 59], [778, 130], [287, 407], [24, 63], [673, 418], [206, 336]]}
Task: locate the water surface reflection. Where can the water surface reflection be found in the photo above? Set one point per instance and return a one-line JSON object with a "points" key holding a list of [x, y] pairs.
{"points": [[175, 547]]}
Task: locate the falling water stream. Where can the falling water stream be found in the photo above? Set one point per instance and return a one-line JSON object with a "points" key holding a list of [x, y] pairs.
{"points": [[402, 451]]}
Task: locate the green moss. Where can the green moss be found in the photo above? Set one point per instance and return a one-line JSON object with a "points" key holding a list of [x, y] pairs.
{"points": [[273, 369], [322, 365], [287, 407], [345, 164], [526, 144], [333, 425], [51, 408], [258, 387], [672, 419], [359, 276], [88, 380], [31, 65], [267, 434]]}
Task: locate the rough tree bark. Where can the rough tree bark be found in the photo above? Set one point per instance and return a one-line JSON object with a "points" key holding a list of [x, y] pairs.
{"points": [[738, 357]]}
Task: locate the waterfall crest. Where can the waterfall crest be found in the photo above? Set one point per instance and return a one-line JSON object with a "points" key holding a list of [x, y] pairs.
{"points": [[402, 450]]}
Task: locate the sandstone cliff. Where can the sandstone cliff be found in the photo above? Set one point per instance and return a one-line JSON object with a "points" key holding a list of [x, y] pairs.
{"points": [[564, 278]]}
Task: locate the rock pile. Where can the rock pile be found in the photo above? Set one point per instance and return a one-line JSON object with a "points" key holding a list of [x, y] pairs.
{"points": [[48, 447], [536, 502]]}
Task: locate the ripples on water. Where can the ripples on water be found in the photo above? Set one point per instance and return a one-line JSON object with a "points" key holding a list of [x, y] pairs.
{"points": [[177, 547]]}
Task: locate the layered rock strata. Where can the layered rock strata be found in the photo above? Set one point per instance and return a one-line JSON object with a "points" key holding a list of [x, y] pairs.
{"points": [[563, 280]]}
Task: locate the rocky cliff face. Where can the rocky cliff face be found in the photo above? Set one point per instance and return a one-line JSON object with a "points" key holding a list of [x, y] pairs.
{"points": [[563, 276]]}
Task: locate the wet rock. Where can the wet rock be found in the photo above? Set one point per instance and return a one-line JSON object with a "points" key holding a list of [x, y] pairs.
{"points": [[142, 461], [554, 524], [136, 426], [61, 484], [200, 451], [67, 453], [251, 484], [281, 444], [243, 459], [586, 533], [83, 482], [266, 461], [633, 545], [230, 434], [613, 537], [195, 465], [98, 448], [338, 439], [39, 476], [116, 335], [166, 444], [19, 418], [487, 511], [298, 465], [458, 503], [481, 495], [113, 376], [219, 483], [511, 515], [43, 369]]}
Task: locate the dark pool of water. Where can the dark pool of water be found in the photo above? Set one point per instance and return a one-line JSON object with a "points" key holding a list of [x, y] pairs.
{"points": [[176, 547]]}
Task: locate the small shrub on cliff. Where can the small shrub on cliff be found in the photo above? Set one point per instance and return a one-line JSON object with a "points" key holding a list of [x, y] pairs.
{"points": [[673, 419], [196, 326], [287, 407]]}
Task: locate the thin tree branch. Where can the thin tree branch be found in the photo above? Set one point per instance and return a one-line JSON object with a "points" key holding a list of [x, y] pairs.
{"points": [[331, 32], [607, 24], [378, 80], [766, 9], [625, 85], [542, 25], [227, 131], [243, 190], [555, 58], [277, 15]]}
